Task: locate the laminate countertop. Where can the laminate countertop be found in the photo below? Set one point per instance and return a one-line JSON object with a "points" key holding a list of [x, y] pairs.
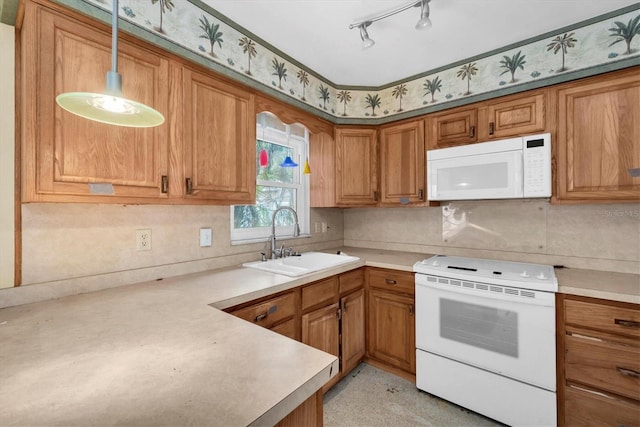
{"points": [[163, 353]]}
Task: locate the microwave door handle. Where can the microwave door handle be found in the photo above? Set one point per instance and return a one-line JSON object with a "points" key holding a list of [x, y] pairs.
{"points": [[519, 178]]}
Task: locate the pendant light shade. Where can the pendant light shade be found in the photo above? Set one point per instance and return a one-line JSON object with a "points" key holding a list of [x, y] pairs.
{"points": [[307, 169], [264, 158], [110, 107], [288, 163]]}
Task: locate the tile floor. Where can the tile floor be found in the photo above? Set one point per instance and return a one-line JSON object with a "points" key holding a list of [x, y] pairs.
{"points": [[370, 397]]}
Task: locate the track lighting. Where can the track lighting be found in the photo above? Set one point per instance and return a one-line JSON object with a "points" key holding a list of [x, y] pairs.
{"points": [[423, 23]]}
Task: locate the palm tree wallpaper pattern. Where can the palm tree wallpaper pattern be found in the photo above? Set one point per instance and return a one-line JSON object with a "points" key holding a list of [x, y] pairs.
{"points": [[582, 46]]}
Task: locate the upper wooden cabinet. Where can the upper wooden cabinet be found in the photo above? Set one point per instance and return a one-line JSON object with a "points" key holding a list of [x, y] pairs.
{"points": [[598, 143], [322, 181], [64, 155], [219, 138], [203, 153], [514, 115], [356, 167], [402, 163], [452, 127]]}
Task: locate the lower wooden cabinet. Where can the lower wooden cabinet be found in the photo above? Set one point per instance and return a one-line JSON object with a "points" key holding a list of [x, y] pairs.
{"points": [[392, 329], [337, 328], [598, 362], [391, 321], [278, 313]]}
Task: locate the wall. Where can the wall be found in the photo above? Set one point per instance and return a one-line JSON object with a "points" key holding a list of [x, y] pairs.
{"points": [[75, 248], [7, 146], [597, 237]]}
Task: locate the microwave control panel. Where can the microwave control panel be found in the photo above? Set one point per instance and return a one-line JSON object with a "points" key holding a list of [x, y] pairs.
{"points": [[537, 165]]}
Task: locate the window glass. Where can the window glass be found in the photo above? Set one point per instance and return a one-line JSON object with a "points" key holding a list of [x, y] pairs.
{"points": [[276, 186]]}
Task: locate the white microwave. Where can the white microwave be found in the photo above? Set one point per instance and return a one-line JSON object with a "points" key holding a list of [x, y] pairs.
{"points": [[503, 169]]}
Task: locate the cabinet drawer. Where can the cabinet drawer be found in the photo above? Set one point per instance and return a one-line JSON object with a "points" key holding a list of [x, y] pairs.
{"points": [[351, 281], [391, 280], [603, 365], [322, 292], [585, 409], [288, 329], [270, 312], [606, 318]]}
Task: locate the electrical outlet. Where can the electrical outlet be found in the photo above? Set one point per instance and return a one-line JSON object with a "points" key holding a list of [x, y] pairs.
{"points": [[206, 235], [143, 240]]}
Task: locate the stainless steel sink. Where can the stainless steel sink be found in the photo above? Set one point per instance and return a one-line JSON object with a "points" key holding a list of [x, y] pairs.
{"points": [[308, 262]]}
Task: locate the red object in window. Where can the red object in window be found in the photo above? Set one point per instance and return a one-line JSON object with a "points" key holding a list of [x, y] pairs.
{"points": [[264, 158]]}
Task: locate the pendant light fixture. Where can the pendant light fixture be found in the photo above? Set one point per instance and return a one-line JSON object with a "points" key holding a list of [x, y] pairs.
{"points": [[110, 107], [288, 161]]}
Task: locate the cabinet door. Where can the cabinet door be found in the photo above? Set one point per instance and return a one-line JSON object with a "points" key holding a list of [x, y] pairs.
{"points": [[598, 139], [322, 181], [391, 329], [353, 342], [320, 329], [356, 167], [402, 163], [219, 137], [64, 155], [516, 116], [456, 127]]}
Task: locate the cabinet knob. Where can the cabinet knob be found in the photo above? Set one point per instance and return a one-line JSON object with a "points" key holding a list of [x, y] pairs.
{"points": [[164, 186], [627, 323], [189, 185], [628, 372], [411, 309], [421, 194], [260, 317], [390, 281], [375, 196], [491, 128], [472, 131]]}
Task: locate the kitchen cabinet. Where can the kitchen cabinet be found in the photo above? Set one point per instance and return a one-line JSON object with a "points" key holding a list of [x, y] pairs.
{"points": [[391, 320], [203, 153], [333, 319], [66, 157], [598, 362], [402, 163], [597, 145], [277, 312], [356, 166], [219, 138], [322, 181], [514, 115]]}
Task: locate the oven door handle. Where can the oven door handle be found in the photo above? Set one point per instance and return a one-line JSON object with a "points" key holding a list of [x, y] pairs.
{"points": [[546, 299]]}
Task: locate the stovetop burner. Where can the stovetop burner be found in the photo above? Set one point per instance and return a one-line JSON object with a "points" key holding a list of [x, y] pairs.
{"points": [[515, 274]]}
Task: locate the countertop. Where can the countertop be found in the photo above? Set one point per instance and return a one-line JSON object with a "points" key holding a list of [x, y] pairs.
{"points": [[162, 353]]}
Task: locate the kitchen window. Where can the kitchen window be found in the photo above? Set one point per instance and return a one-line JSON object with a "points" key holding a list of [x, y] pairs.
{"points": [[276, 186]]}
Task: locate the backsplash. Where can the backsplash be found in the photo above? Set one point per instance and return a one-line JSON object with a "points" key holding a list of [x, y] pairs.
{"points": [[95, 245], [596, 237]]}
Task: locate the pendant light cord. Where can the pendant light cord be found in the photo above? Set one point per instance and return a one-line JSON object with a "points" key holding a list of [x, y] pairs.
{"points": [[114, 37]]}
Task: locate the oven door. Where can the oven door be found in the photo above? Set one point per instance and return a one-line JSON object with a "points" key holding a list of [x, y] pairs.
{"points": [[504, 330]]}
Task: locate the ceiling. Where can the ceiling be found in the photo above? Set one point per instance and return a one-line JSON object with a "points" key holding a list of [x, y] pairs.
{"points": [[316, 32]]}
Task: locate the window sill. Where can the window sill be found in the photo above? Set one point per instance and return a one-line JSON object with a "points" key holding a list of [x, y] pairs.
{"points": [[266, 239]]}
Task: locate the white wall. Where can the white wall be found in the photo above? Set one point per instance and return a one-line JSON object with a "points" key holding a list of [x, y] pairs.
{"points": [[7, 147]]}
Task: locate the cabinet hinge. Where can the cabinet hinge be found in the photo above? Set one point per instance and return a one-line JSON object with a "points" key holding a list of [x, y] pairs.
{"points": [[339, 314]]}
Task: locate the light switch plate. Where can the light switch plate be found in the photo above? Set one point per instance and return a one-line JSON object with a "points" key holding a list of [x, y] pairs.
{"points": [[206, 236]]}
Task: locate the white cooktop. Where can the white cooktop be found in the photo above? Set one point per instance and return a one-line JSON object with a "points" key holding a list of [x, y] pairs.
{"points": [[537, 277]]}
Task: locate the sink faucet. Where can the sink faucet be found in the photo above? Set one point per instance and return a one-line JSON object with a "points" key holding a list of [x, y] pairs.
{"points": [[272, 238]]}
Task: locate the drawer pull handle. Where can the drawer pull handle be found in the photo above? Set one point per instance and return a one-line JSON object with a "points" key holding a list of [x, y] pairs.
{"points": [[411, 309], [260, 317], [628, 372], [472, 131], [627, 323], [390, 281]]}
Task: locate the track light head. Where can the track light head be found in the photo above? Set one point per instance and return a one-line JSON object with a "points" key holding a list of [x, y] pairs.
{"points": [[367, 42], [424, 23]]}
